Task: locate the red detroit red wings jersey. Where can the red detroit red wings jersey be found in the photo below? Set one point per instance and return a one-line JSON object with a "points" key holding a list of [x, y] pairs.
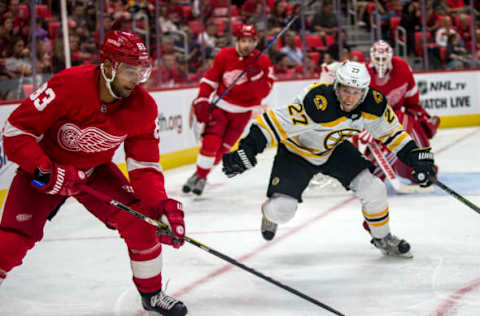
{"points": [[64, 121], [398, 85], [248, 91]]}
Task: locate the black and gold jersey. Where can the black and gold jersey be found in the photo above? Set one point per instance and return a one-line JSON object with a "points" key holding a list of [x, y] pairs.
{"points": [[314, 123]]}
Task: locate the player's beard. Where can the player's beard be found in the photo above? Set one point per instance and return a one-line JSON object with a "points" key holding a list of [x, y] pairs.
{"points": [[122, 92]]}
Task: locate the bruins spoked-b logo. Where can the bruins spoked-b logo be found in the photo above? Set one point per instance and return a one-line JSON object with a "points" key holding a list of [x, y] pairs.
{"points": [[320, 102], [334, 138]]}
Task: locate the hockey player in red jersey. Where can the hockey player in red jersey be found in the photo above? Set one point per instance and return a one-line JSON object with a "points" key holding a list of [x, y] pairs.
{"points": [[393, 77], [225, 122], [65, 134]]}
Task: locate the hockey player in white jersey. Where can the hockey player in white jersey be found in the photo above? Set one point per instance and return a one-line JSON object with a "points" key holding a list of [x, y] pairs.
{"points": [[312, 133]]}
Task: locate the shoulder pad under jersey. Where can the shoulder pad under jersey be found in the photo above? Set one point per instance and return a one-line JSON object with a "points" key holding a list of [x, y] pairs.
{"points": [[321, 103], [375, 103]]}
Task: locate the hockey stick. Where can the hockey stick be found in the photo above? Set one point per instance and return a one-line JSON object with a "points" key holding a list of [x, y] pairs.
{"points": [[269, 44], [455, 195], [390, 173], [103, 197]]}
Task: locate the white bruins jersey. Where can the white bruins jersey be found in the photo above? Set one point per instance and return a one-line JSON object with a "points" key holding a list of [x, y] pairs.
{"points": [[314, 124]]}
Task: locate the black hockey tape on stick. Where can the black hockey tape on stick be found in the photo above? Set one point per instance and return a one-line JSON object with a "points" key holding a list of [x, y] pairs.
{"points": [[105, 198], [269, 44], [455, 195]]}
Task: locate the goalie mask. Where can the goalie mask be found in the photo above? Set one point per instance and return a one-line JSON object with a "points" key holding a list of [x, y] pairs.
{"points": [[381, 55], [354, 75], [129, 57]]}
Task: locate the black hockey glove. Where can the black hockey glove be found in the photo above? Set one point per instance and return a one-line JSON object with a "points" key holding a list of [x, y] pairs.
{"points": [[421, 160], [238, 161]]}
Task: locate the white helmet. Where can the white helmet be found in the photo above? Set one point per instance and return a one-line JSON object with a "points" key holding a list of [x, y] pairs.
{"points": [[353, 74], [381, 55]]}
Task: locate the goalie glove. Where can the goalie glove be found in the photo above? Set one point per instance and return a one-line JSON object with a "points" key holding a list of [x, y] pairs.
{"points": [[238, 161], [421, 160]]}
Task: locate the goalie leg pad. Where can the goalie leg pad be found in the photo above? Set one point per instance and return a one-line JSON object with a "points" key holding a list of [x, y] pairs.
{"points": [[373, 196], [280, 208]]}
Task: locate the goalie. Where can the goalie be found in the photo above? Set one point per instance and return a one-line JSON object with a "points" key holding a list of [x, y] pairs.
{"points": [[312, 134], [393, 77]]}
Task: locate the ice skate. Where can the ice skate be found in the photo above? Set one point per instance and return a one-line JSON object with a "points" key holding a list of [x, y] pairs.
{"points": [[268, 228], [163, 304], [195, 185], [390, 245]]}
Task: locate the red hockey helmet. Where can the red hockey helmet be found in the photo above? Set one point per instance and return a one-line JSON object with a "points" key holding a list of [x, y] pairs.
{"points": [[128, 48], [246, 30]]}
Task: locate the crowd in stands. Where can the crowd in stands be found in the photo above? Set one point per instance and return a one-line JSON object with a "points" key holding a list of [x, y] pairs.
{"points": [[188, 46]]}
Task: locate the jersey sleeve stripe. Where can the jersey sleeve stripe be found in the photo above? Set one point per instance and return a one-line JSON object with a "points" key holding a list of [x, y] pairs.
{"points": [[390, 139], [411, 92], [133, 164], [260, 121], [398, 141], [277, 125], [271, 127], [211, 83], [10, 131]]}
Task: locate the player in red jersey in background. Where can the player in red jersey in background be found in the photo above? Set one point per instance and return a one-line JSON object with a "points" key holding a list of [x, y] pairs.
{"points": [[65, 134], [392, 76], [225, 122]]}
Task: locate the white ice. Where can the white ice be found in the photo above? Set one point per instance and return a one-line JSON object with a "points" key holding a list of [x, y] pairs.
{"points": [[81, 268]]}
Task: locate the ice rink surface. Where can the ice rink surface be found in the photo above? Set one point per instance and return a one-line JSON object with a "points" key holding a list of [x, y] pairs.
{"points": [[81, 268]]}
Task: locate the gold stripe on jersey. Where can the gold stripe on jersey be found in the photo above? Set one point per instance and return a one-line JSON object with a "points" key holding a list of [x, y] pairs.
{"points": [[383, 138], [263, 125], [303, 151], [278, 127], [398, 140], [369, 116], [334, 123], [317, 85]]}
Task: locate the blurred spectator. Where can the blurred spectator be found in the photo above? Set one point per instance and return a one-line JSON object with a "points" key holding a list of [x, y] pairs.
{"points": [[44, 58], [457, 6], [279, 17], [295, 54], [6, 36], [203, 69], [78, 14], [217, 9], [18, 63], [325, 21], [457, 55], [20, 18], [433, 19], [208, 37], [165, 23], [464, 30], [107, 26], [310, 70], [333, 49], [442, 34], [171, 74], [281, 66], [411, 22]]}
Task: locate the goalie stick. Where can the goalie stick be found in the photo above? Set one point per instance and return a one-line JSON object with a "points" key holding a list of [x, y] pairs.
{"points": [[390, 173], [165, 229]]}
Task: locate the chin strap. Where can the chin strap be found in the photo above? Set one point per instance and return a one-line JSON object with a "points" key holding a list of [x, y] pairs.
{"points": [[109, 81]]}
